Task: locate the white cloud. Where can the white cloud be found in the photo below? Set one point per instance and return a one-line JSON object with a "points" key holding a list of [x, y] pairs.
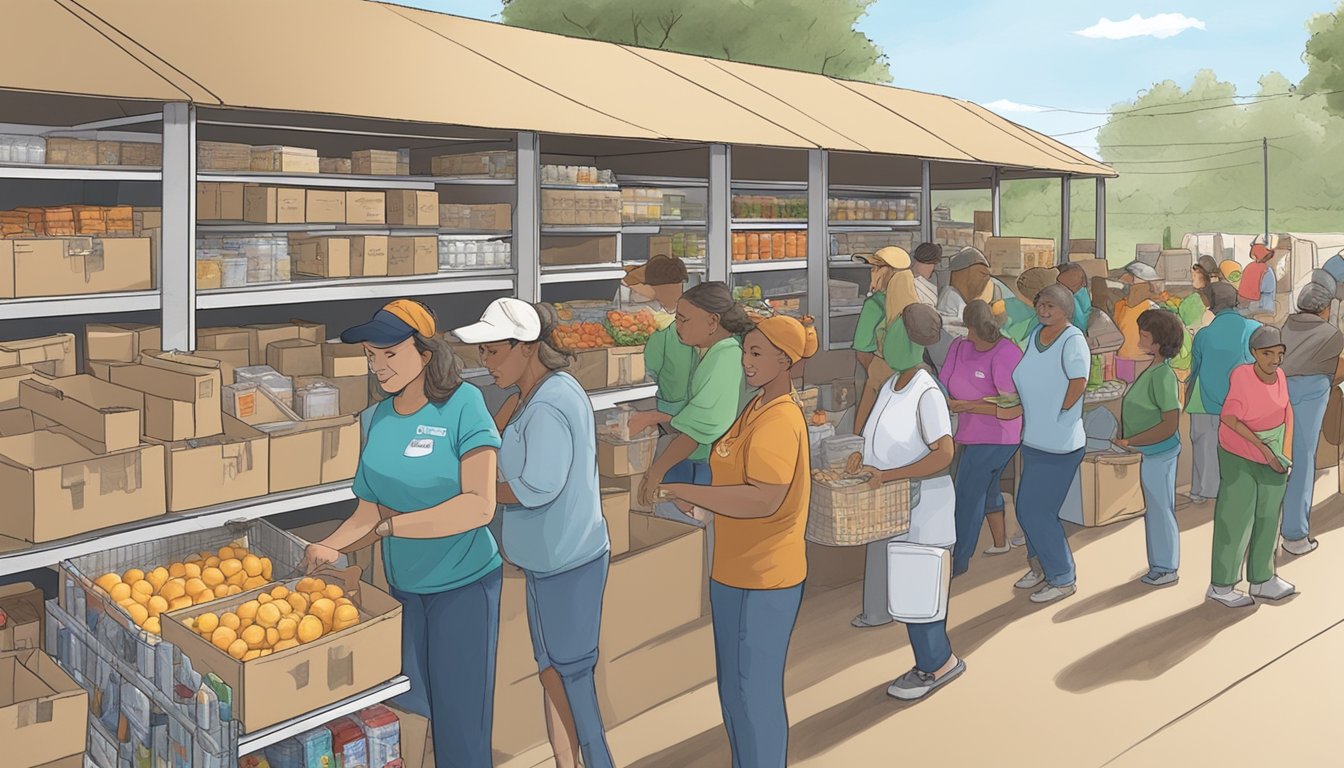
{"points": [[1161, 26], [1004, 105]]}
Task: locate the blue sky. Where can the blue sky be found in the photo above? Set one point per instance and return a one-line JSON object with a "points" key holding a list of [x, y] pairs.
{"points": [[997, 51]]}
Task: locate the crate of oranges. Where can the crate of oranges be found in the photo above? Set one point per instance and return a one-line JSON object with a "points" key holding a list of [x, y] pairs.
{"points": [[631, 329], [290, 648], [581, 336], [140, 582]]}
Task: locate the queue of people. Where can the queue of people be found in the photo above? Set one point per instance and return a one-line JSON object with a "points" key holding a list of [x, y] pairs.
{"points": [[436, 467]]}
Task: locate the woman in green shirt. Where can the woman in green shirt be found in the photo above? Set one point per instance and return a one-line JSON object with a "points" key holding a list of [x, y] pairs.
{"points": [[710, 321], [667, 359], [885, 263], [1149, 417]]}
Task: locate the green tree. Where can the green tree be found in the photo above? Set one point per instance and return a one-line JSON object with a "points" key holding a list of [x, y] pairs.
{"points": [[808, 35]]}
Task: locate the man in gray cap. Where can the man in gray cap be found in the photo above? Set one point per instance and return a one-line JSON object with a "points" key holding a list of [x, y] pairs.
{"points": [[1313, 365], [1218, 348], [969, 281], [925, 262]]}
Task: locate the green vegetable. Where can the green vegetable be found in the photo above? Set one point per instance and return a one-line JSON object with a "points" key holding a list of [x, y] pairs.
{"points": [[624, 339]]}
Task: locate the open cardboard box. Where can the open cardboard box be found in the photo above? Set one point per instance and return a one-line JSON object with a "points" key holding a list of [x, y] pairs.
{"points": [[285, 685], [656, 587], [231, 466], [121, 342], [182, 394], [10, 379], [55, 487], [314, 452], [107, 414], [44, 713], [49, 355], [21, 604]]}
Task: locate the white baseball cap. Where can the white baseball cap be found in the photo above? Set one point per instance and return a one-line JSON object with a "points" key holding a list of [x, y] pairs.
{"points": [[504, 320]]}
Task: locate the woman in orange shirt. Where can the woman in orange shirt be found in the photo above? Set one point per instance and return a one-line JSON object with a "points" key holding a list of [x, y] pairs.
{"points": [[762, 485]]}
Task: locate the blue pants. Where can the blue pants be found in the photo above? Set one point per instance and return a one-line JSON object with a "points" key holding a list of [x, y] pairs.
{"points": [[448, 645], [1046, 478], [751, 642], [977, 485], [1309, 395], [690, 472], [564, 612], [931, 645], [1157, 475]]}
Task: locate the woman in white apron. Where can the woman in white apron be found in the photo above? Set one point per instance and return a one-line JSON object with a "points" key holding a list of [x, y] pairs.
{"points": [[909, 437]]}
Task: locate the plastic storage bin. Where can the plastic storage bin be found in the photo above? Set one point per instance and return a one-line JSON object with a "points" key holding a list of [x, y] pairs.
{"points": [[318, 401]]}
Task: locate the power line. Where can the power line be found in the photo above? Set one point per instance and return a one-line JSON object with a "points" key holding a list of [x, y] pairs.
{"points": [[1192, 170], [1124, 116], [1201, 143], [1258, 97], [1184, 159]]}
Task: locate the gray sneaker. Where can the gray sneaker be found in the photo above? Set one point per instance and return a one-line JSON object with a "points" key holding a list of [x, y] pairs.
{"points": [[1031, 580], [1274, 589], [1160, 578], [863, 622], [915, 685], [1300, 547], [1230, 597], [1050, 593], [1018, 541]]}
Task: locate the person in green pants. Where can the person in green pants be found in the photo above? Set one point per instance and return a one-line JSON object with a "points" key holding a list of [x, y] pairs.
{"points": [[1255, 438], [669, 361]]}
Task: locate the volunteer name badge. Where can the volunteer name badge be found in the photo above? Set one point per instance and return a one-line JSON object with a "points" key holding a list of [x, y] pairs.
{"points": [[418, 447]]}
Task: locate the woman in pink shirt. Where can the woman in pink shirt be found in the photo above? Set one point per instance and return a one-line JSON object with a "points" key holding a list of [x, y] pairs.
{"points": [[978, 367], [1255, 438]]}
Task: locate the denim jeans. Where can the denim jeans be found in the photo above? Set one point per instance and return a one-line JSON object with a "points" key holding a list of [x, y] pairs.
{"points": [[564, 612], [1157, 475], [1046, 478], [1309, 395], [931, 645], [751, 644], [448, 647], [977, 485], [1204, 473], [688, 471]]}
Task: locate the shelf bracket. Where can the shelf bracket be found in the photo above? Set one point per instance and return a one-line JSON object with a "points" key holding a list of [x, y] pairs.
{"points": [[177, 246]]}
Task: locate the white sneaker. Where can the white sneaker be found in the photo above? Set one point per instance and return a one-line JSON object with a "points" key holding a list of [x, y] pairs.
{"points": [[1300, 547], [1050, 593], [1230, 597], [1274, 589], [1005, 549], [1018, 541], [1031, 580]]}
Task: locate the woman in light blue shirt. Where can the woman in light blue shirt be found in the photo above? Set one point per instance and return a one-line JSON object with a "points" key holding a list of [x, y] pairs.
{"points": [[553, 524], [1051, 380], [426, 485]]}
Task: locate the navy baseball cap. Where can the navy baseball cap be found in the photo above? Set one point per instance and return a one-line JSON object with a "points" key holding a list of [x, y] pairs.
{"points": [[393, 324]]}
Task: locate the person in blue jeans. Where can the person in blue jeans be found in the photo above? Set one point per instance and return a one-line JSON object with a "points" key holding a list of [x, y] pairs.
{"points": [[553, 525], [1219, 347], [1051, 380], [1150, 416], [426, 486], [1312, 365]]}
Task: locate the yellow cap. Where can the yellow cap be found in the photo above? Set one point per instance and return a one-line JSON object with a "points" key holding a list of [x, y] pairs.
{"points": [[414, 314]]}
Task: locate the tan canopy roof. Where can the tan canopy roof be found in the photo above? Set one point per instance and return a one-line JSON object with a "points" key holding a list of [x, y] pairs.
{"points": [[367, 59]]}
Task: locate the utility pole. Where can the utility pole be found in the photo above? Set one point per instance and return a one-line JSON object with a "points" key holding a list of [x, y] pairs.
{"points": [[1264, 146]]}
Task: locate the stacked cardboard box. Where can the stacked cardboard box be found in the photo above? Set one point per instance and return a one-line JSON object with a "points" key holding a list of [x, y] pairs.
{"points": [[10, 380], [496, 217], [580, 207], [44, 713], [407, 256], [365, 207], [334, 165], [223, 156], [409, 208], [325, 206], [278, 159], [1012, 256], [182, 394], [274, 205], [357, 256], [49, 355], [62, 151], [74, 266], [495, 165], [381, 162], [21, 617]]}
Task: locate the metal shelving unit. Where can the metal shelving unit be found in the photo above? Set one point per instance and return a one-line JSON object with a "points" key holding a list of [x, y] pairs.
{"points": [[65, 306], [249, 743], [345, 289], [771, 225], [80, 172], [351, 181], [768, 265]]}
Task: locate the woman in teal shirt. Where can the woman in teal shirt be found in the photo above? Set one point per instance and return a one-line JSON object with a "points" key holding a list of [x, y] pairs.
{"points": [[426, 486]]}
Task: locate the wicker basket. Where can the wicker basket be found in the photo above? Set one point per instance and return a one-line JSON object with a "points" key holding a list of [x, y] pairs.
{"points": [[851, 514]]}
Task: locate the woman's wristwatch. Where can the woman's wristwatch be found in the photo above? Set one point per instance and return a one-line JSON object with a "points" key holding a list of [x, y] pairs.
{"points": [[384, 528]]}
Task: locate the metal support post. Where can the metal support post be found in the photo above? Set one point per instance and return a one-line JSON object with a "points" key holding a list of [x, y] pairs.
{"points": [[1065, 205], [527, 218], [818, 241], [925, 204], [996, 191], [1101, 218], [177, 247], [719, 210]]}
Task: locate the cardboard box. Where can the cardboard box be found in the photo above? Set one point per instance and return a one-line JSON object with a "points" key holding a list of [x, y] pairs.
{"points": [[49, 355], [182, 394], [295, 357], [604, 368], [410, 208], [74, 266], [1093, 266], [278, 159], [521, 722], [44, 713], [354, 390], [229, 361], [656, 587], [369, 256], [55, 487], [333, 164], [219, 201], [1082, 246], [412, 256], [142, 153], [365, 207], [21, 604], [254, 405], [666, 667], [325, 206], [416, 748], [62, 151], [569, 251], [285, 685], [1012, 256], [108, 415], [616, 511], [630, 485], [625, 459], [228, 337], [109, 153], [231, 466], [10, 379], [340, 360], [984, 221], [378, 162], [309, 453], [1111, 490], [320, 256], [260, 336], [120, 341], [223, 156], [274, 205]]}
